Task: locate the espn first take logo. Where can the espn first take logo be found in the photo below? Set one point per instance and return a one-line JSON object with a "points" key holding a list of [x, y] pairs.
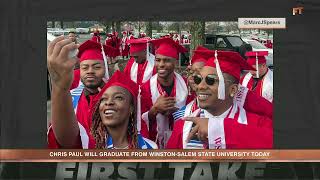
{"points": [[297, 10]]}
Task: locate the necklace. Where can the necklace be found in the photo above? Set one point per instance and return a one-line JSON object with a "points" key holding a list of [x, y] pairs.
{"points": [[127, 147]]}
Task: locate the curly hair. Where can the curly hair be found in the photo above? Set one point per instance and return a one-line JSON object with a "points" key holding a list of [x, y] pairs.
{"points": [[100, 133]]}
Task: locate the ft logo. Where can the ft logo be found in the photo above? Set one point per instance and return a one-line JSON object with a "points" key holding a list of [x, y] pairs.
{"points": [[297, 10]]}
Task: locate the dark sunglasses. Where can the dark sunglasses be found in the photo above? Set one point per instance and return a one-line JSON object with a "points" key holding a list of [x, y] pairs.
{"points": [[210, 79]]}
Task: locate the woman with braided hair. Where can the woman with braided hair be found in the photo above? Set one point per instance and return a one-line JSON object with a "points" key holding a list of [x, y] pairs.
{"points": [[86, 125], [101, 133], [114, 121]]}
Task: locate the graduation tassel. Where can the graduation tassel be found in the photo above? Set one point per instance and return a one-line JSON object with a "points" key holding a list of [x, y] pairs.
{"points": [[190, 61], [105, 62], [148, 52], [139, 111], [257, 65], [150, 56], [221, 90], [189, 88], [142, 144]]}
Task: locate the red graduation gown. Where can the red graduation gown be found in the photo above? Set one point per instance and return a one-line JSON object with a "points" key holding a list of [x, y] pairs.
{"points": [[141, 71], [96, 39], [83, 113], [264, 87], [257, 133], [149, 92], [116, 43], [124, 46], [258, 105], [76, 79], [250, 101], [84, 116]]}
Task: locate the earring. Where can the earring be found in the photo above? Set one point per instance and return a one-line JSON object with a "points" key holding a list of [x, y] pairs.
{"points": [[131, 120], [131, 115], [189, 90]]}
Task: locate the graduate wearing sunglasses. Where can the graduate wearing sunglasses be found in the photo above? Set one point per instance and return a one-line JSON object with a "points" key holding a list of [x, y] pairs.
{"points": [[197, 62], [225, 124], [245, 98]]}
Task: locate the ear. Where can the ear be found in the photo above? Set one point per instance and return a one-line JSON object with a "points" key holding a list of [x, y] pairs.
{"points": [[264, 65], [175, 62], [233, 89]]}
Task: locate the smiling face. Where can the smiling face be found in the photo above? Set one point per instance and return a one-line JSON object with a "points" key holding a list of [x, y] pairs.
{"points": [[195, 69], [165, 65], [115, 107], [206, 94], [91, 73]]}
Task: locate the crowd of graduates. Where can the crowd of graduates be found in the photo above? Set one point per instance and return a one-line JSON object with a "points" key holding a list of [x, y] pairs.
{"points": [[149, 105]]}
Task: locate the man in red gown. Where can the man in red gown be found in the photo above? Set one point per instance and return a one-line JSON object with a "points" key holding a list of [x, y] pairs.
{"points": [[165, 92], [124, 45], [221, 123], [261, 80], [96, 36], [140, 67]]}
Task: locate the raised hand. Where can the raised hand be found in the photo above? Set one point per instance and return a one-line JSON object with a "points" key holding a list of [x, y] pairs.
{"points": [[200, 129], [60, 65]]}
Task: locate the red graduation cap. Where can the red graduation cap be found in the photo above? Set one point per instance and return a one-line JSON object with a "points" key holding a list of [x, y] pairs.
{"points": [[229, 62], [254, 56], [168, 47], [137, 45], [92, 50], [198, 56], [121, 79]]}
